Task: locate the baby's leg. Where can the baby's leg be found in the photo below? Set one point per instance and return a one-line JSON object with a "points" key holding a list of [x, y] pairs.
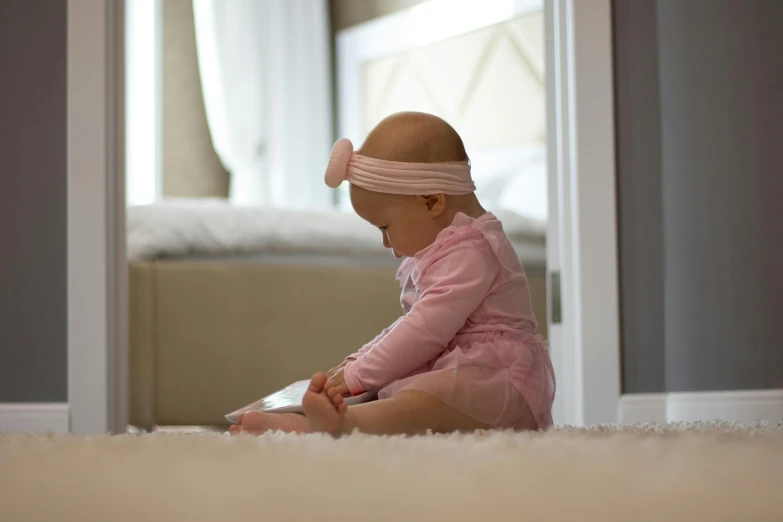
{"points": [[408, 413], [258, 423]]}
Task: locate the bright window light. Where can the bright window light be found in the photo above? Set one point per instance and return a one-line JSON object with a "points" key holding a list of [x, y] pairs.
{"points": [[143, 113]]}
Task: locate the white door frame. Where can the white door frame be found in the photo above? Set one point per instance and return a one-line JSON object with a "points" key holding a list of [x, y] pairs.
{"points": [[97, 269], [582, 236], [582, 244]]}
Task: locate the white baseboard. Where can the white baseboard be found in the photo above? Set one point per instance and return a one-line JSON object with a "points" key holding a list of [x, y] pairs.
{"points": [[739, 406], [733, 406], [35, 417], [642, 407]]}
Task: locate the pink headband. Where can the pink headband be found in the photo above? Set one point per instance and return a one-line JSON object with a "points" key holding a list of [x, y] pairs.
{"points": [[396, 177]]}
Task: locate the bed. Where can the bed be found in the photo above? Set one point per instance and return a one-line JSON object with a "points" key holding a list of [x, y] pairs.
{"points": [[230, 303]]}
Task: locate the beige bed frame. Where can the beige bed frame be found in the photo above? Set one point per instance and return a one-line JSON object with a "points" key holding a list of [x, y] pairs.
{"points": [[207, 337]]}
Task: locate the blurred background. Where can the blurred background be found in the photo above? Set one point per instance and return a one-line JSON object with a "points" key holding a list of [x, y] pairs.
{"points": [[246, 271]]}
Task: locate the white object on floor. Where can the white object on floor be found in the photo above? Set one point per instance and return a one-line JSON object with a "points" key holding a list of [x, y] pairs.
{"points": [[35, 417], [732, 406], [177, 228], [289, 400]]}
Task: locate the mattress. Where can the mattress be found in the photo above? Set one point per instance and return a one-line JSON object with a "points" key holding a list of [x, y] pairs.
{"points": [[214, 229]]}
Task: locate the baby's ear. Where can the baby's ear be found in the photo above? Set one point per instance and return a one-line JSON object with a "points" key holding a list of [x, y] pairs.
{"points": [[436, 203]]}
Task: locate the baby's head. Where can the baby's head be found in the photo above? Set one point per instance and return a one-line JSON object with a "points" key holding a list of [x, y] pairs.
{"points": [[410, 222]]}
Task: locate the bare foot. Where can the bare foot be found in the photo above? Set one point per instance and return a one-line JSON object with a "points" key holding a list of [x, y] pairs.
{"points": [[322, 414], [258, 423]]}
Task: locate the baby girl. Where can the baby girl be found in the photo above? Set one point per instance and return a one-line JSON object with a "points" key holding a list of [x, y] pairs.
{"points": [[464, 355]]}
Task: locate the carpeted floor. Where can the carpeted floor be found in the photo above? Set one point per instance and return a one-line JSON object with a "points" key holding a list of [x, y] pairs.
{"points": [[690, 472]]}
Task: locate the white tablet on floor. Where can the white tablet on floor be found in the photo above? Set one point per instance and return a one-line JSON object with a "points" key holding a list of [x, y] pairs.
{"points": [[289, 400]]}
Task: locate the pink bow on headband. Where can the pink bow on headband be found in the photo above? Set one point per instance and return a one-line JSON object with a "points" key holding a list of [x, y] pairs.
{"points": [[396, 177]]}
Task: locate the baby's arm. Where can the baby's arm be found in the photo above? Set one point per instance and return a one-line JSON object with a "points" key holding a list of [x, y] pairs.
{"points": [[364, 349], [456, 283], [402, 274]]}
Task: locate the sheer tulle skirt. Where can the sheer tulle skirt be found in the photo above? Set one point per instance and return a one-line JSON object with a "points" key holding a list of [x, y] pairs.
{"points": [[501, 379]]}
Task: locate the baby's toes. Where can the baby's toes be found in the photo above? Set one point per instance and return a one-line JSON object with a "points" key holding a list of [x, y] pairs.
{"points": [[317, 383], [337, 399]]}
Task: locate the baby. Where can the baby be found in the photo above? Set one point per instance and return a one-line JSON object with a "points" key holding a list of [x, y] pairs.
{"points": [[464, 355]]}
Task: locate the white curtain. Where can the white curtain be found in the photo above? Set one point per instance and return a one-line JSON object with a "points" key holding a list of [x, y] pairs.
{"points": [[265, 75]]}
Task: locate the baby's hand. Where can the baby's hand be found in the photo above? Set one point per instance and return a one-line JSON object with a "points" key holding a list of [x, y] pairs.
{"points": [[333, 371], [336, 369], [336, 388]]}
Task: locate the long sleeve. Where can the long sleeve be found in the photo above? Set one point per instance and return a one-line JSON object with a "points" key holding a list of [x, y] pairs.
{"points": [[364, 349], [452, 287]]}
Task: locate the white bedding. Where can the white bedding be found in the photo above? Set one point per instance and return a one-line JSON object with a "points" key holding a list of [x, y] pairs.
{"points": [[179, 228]]}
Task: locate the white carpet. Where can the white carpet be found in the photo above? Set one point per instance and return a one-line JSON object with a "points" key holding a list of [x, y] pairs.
{"points": [[702, 472]]}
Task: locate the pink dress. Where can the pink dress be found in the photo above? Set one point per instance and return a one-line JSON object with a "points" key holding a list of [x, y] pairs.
{"points": [[467, 335]]}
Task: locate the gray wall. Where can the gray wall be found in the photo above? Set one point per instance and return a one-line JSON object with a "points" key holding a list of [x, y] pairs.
{"points": [[639, 185], [33, 300], [700, 179]]}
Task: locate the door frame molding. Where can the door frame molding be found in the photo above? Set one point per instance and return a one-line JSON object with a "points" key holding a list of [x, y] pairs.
{"points": [[97, 268], [582, 237], [585, 346]]}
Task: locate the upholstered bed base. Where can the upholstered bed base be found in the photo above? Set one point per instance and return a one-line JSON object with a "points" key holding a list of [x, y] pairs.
{"points": [[209, 336]]}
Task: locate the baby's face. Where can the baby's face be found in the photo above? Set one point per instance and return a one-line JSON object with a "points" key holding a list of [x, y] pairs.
{"points": [[406, 224]]}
